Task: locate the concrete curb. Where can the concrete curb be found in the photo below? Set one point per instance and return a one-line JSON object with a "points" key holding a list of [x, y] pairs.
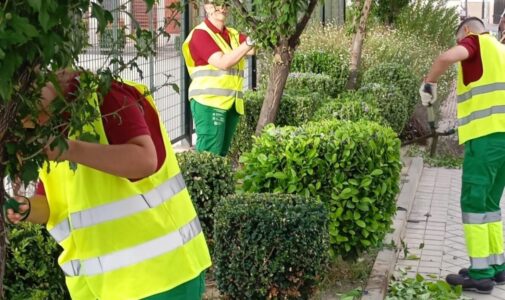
{"points": [[377, 285]]}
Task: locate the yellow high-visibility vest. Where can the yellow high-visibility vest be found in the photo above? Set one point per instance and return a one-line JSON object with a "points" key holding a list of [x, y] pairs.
{"points": [[212, 86], [481, 104], [121, 239]]}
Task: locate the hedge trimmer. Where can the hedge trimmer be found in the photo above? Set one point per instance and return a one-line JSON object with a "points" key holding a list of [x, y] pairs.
{"points": [[434, 134]]}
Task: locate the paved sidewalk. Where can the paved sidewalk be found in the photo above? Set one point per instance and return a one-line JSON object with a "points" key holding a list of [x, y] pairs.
{"points": [[434, 234]]}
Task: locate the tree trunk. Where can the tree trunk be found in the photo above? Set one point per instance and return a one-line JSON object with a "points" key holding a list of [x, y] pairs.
{"points": [[279, 72], [3, 232], [8, 114], [357, 45]]}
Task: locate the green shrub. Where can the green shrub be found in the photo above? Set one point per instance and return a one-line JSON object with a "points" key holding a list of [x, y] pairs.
{"points": [[350, 106], [334, 64], [308, 83], [395, 46], [209, 178], [431, 20], [242, 140], [354, 168], [400, 76], [32, 270], [297, 109], [270, 246], [391, 102], [388, 10]]}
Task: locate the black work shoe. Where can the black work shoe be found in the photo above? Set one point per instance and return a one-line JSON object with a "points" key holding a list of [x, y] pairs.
{"points": [[482, 286], [499, 277]]}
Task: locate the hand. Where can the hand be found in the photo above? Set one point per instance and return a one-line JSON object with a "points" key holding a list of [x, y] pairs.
{"points": [[428, 92], [55, 154], [16, 209], [249, 42]]}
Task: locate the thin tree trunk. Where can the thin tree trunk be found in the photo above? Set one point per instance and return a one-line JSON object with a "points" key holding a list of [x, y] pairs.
{"points": [[3, 232], [279, 72], [357, 45]]}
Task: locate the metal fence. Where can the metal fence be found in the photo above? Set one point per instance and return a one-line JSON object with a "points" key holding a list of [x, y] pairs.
{"points": [[168, 61]]}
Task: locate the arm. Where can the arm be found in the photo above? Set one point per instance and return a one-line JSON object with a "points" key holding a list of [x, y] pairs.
{"points": [[445, 60], [227, 61], [119, 160]]}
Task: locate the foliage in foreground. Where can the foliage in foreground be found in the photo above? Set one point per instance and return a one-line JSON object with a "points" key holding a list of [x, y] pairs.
{"points": [[32, 271]]}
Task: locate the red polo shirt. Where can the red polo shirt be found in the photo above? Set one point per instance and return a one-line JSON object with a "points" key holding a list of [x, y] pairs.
{"points": [[472, 66], [127, 114], [202, 46]]}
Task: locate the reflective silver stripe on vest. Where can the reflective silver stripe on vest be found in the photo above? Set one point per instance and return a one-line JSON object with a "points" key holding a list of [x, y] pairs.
{"points": [[482, 114], [216, 92], [216, 73], [121, 208], [484, 218], [481, 90], [135, 254], [61, 231], [486, 262]]}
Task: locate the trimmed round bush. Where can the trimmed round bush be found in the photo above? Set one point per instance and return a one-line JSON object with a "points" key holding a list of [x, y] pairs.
{"points": [[308, 83], [32, 270], [350, 106], [353, 168], [334, 64], [298, 108], [391, 102], [399, 75], [209, 178], [270, 246]]}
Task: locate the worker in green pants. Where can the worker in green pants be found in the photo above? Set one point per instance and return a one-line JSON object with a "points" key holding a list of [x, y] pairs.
{"points": [[481, 120], [214, 55]]}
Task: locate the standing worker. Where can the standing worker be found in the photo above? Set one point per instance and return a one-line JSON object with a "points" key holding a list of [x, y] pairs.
{"points": [[481, 120], [127, 226], [214, 56]]}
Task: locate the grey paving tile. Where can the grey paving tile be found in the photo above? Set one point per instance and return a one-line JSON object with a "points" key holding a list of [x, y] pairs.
{"points": [[429, 270]]}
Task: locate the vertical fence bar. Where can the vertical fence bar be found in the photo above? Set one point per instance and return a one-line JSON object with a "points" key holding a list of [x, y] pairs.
{"points": [[185, 79], [115, 27], [151, 57], [323, 13], [252, 63], [252, 72]]}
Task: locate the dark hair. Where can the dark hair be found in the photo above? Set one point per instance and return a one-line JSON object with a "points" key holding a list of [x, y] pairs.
{"points": [[465, 21]]}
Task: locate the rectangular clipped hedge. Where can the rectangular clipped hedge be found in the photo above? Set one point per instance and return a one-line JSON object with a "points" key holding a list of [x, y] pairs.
{"points": [[270, 246], [354, 168]]}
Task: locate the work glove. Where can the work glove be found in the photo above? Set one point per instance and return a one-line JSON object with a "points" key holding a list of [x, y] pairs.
{"points": [[15, 210], [428, 92], [249, 41]]}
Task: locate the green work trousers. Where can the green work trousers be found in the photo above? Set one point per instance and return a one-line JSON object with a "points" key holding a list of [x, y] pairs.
{"points": [[482, 187], [214, 128], [191, 290]]}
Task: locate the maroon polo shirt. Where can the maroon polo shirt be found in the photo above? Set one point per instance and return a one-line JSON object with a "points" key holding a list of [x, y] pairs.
{"points": [[202, 46], [472, 66], [127, 114]]}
